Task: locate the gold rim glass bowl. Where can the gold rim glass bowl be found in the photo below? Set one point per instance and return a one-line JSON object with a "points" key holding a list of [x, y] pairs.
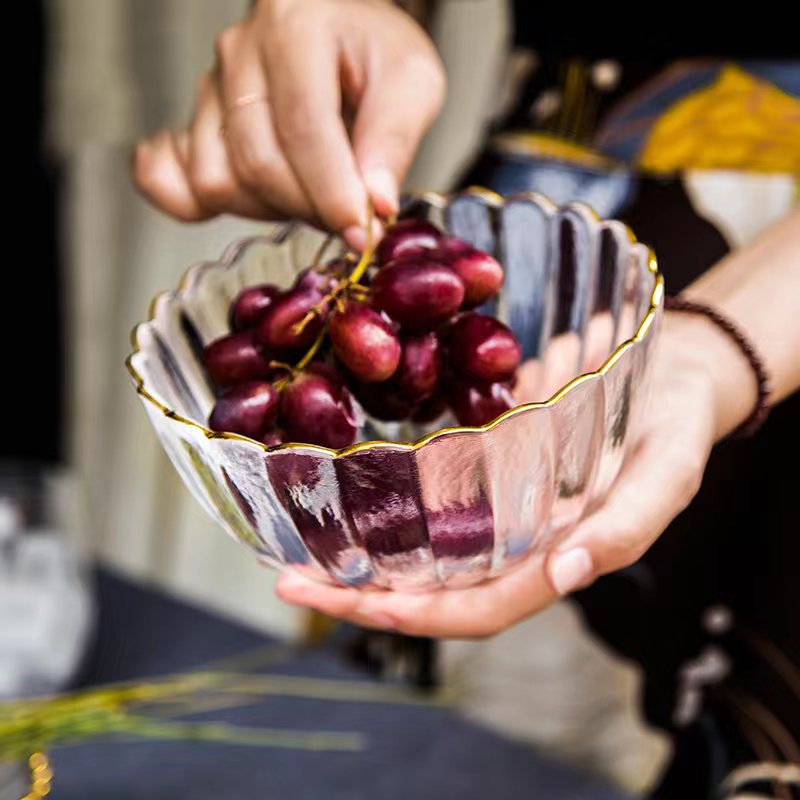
{"points": [[409, 508]]}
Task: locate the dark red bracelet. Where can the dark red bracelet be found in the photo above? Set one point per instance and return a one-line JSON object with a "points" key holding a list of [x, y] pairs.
{"points": [[761, 411]]}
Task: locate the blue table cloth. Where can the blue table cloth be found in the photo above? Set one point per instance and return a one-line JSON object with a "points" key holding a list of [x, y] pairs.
{"points": [[411, 751]]}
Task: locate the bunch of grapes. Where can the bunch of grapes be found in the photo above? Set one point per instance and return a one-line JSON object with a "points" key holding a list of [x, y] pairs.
{"points": [[398, 338]]}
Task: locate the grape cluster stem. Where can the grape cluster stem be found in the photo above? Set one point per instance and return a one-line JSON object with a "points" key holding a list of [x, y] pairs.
{"points": [[348, 284]]}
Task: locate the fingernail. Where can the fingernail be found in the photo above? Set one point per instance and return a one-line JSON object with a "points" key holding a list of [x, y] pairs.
{"points": [[382, 187], [570, 569], [381, 620]]}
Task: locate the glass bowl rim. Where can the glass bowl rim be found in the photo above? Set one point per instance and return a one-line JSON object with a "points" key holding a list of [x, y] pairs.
{"points": [[438, 200]]}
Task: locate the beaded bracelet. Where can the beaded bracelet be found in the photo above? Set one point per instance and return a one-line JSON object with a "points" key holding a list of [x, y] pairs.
{"points": [[761, 411]]}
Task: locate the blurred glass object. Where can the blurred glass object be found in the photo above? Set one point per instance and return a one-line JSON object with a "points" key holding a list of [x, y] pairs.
{"points": [[46, 608]]}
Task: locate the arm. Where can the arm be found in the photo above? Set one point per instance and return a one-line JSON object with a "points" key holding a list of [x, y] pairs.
{"points": [[759, 288], [703, 388]]}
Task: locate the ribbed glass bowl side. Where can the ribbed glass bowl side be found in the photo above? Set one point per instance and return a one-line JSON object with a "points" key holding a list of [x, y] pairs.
{"points": [[425, 508]]}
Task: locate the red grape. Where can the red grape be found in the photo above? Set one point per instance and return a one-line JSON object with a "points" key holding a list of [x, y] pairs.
{"points": [[311, 280], [318, 409], [431, 409], [249, 409], [406, 237], [271, 439], [420, 366], [250, 304], [452, 244], [383, 400], [276, 331], [418, 292], [236, 358], [482, 347], [364, 342], [478, 403], [481, 274]]}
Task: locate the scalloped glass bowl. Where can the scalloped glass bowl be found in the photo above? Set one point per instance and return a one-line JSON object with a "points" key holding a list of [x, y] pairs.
{"points": [[411, 508]]}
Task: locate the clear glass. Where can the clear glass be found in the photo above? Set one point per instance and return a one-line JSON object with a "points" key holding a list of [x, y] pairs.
{"points": [[416, 508]]}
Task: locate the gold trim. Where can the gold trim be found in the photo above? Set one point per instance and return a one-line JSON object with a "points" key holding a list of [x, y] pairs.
{"points": [[439, 201]]}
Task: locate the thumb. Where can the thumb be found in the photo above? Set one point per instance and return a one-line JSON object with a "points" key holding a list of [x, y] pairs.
{"points": [[395, 111]]}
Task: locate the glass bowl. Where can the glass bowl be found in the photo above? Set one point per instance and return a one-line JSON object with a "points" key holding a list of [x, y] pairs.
{"points": [[413, 508]]}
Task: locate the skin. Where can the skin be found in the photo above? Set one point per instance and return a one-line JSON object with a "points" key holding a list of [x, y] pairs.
{"points": [[702, 388], [351, 86], [346, 89]]}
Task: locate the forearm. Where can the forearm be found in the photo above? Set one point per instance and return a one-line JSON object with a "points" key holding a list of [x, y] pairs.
{"points": [[757, 288]]}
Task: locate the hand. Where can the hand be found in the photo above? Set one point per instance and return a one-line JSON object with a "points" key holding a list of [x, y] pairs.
{"points": [[696, 372], [313, 106]]}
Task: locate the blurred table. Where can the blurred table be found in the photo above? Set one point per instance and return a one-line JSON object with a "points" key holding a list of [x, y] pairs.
{"points": [[411, 751]]}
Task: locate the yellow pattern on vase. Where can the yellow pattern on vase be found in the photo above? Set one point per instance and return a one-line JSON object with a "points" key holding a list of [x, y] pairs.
{"points": [[738, 122]]}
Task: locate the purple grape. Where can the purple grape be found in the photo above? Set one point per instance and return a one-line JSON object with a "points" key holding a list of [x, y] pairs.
{"points": [[449, 245], [431, 409], [477, 403], [383, 401], [418, 292], [276, 330], [248, 409], [235, 359], [323, 282], [316, 408], [482, 347], [406, 237], [420, 366], [365, 342], [481, 274], [250, 304]]}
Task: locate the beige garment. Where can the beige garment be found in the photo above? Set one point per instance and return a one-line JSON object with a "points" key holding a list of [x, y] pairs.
{"points": [[122, 68]]}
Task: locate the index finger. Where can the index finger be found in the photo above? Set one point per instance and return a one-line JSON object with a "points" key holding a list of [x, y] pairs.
{"points": [[307, 104]]}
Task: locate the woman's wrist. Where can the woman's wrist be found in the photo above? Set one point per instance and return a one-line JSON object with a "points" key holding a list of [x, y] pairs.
{"points": [[733, 384]]}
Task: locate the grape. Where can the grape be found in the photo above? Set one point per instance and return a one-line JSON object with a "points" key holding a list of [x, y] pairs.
{"points": [[250, 304], [363, 340], [383, 400], [249, 409], [431, 409], [406, 237], [449, 245], [482, 347], [418, 292], [310, 280], [481, 274], [317, 408], [236, 358], [420, 366], [478, 403], [276, 330], [271, 439]]}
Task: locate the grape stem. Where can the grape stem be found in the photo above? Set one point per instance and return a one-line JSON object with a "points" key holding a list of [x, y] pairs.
{"points": [[352, 280]]}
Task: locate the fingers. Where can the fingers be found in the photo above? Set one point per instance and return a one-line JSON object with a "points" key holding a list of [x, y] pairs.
{"points": [[160, 172], [396, 109], [654, 487], [211, 175], [459, 613], [306, 101], [253, 146]]}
